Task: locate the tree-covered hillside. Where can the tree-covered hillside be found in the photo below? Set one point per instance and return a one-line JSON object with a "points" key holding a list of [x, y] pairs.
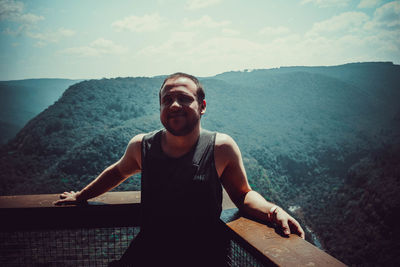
{"points": [[21, 100], [322, 142]]}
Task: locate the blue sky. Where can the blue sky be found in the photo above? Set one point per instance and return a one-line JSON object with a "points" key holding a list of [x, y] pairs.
{"points": [[96, 39]]}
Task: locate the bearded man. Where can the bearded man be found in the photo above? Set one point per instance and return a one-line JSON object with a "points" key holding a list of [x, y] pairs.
{"points": [[184, 168]]}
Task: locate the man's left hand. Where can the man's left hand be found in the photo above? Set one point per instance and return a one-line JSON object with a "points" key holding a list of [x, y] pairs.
{"points": [[288, 224]]}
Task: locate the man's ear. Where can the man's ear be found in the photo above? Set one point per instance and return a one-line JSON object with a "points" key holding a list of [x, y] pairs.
{"points": [[203, 107]]}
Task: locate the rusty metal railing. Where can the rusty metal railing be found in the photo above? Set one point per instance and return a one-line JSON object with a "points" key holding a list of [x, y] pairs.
{"points": [[34, 232]]}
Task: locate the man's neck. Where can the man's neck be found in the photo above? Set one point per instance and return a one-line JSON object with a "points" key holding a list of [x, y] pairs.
{"points": [[176, 146]]}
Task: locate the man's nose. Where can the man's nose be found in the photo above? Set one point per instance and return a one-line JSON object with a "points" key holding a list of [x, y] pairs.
{"points": [[175, 104]]}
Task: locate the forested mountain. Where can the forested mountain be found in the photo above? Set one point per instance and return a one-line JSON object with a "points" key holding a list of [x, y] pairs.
{"points": [[21, 100], [323, 142]]}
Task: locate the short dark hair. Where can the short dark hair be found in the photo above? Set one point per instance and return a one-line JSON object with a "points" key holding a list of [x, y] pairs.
{"points": [[200, 91]]}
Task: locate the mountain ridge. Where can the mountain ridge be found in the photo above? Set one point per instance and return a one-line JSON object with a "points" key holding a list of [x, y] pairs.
{"points": [[21, 100], [305, 138]]}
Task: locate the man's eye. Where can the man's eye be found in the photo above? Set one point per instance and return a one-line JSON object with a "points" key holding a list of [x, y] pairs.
{"points": [[184, 99], [166, 100]]}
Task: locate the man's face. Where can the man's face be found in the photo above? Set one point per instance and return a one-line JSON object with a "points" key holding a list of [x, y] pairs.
{"points": [[180, 111]]}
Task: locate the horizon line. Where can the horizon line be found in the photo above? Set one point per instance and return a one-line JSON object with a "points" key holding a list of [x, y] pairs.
{"points": [[241, 70]]}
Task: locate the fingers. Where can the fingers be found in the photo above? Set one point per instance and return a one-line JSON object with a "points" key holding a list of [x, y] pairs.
{"points": [[297, 228], [67, 194], [281, 217], [66, 198], [65, 201], [285, 227], [59, 202], [289, 224]]}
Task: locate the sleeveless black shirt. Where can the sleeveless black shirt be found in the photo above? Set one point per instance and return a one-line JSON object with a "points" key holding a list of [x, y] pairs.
{"points": [[181, 203]]}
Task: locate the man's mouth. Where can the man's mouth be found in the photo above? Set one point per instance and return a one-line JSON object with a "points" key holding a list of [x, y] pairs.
{"points": [[175, 115]]}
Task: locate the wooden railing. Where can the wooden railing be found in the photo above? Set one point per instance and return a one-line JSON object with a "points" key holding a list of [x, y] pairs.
{"points": [[261, 244]]}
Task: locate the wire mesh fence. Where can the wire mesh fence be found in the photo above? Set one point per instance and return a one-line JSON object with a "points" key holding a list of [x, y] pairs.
{"points": [[84, 247], [238, 256], [73, 247]]}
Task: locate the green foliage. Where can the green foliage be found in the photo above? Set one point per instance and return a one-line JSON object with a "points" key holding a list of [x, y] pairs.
{"points": [[321, 138], [22, 100], [364, 209]]}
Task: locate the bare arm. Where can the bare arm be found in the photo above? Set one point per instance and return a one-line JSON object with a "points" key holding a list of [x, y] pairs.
{"points": [[229, 163], [112, 176]]}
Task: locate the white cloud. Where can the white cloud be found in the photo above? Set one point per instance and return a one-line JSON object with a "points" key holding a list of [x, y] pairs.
{"points": [[388, 15], [40, 44], [226, 47], [29, 18], [337, 40], [369, 3], [230, 32], [10, 9], [326, 3], [197, 4], [26, 24], [188, 47], [51, 36], [145, 23], [66, 32], [340, 24], [327, 50], [274, 31], [216, 54], [205, 21], [99, 47], [13, 11], [348, 37], [178, 41]]}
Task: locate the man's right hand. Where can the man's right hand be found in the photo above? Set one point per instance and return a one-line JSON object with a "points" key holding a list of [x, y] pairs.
{"points": [[68, 198]]}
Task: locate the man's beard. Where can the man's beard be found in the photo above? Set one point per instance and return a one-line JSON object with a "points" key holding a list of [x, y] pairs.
{"points": [[187, 128]]}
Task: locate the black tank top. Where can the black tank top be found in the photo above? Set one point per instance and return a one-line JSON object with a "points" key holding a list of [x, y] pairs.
{"points": [[181, 202]]}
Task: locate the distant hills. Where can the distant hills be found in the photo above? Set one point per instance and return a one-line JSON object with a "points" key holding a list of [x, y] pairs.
{"points": [[322, 141], [21, 100]]}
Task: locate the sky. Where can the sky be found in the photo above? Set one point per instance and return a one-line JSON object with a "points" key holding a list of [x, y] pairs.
{"points": [[106, 39]]}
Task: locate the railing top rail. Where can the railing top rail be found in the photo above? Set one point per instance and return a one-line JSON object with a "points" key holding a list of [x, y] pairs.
{"points": [[109, 198], [280, 251], [46, 200], [39, 212], [117, 208]]}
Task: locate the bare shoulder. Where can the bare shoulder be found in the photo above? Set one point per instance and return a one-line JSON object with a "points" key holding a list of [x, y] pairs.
{"points": [[133, 153], [137, 140], [221, 139], [225, 144], [226, 152], [135, 146]]}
